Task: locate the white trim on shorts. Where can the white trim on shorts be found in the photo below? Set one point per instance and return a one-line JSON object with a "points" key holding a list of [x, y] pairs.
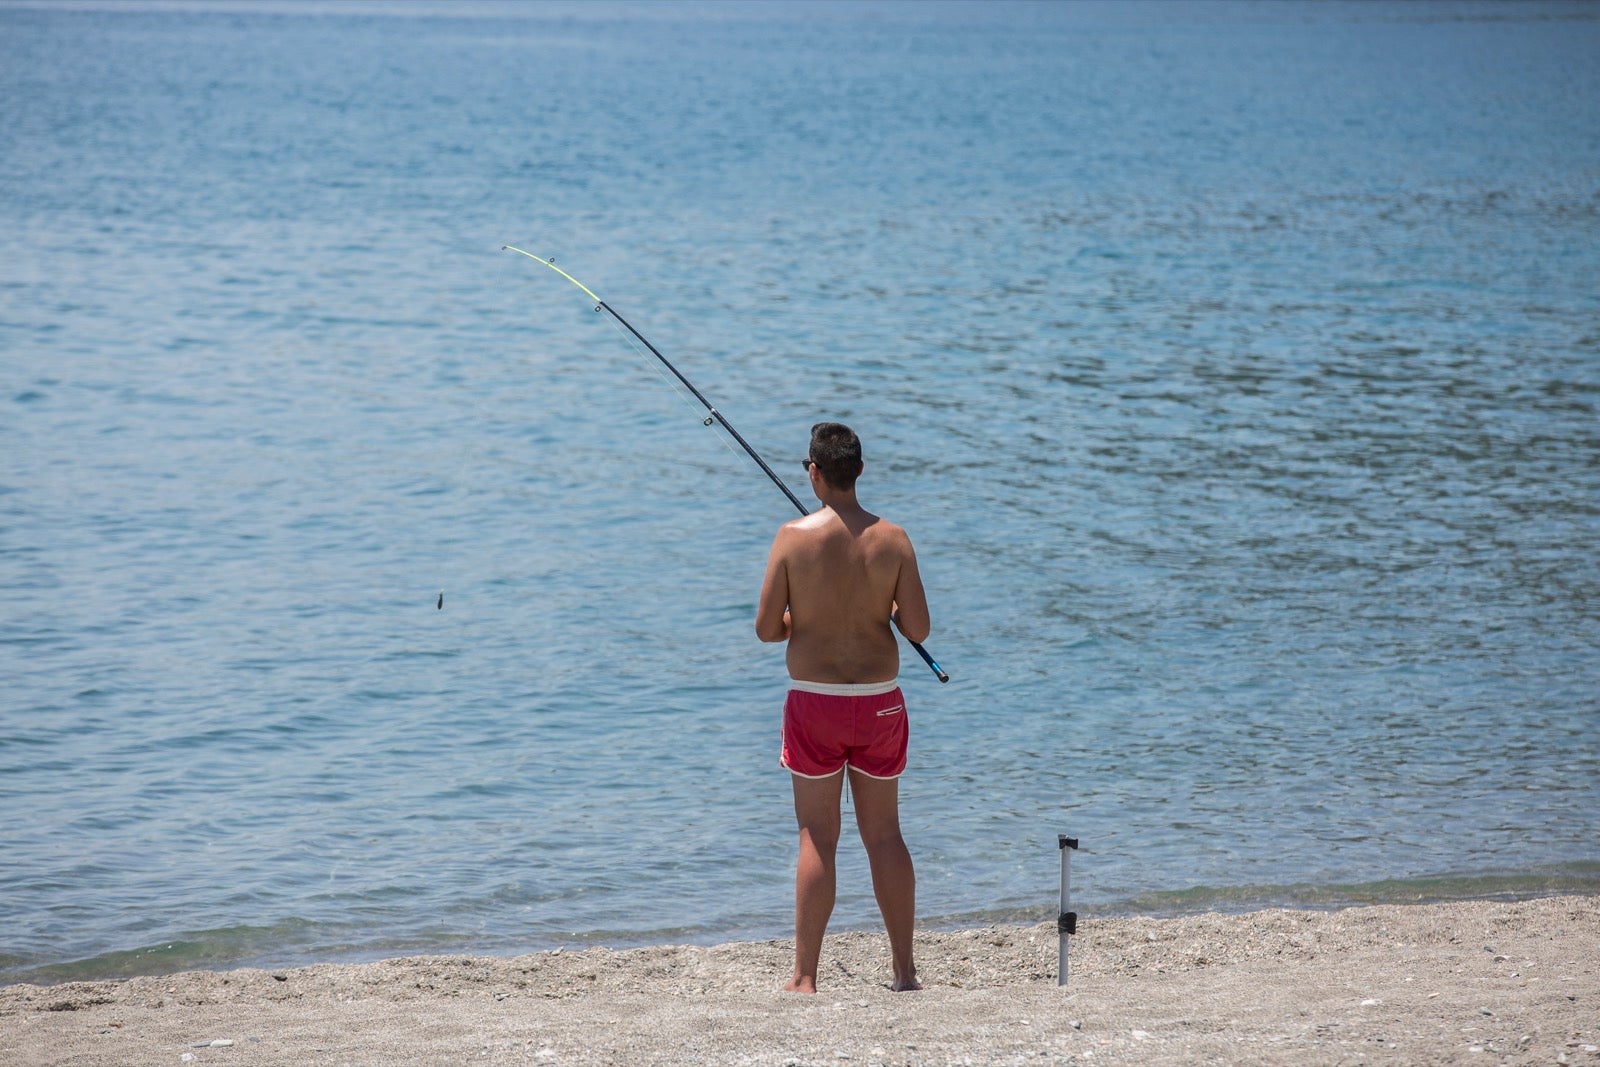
{"points": [[848, 766], [846, 689], [818, 777]]}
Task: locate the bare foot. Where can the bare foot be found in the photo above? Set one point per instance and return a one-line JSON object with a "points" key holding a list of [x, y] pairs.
{"points": [[908, 984], [798, 984]]}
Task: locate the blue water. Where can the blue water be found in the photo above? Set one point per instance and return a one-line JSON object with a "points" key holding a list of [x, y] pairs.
{"points": [[1235, 370]]}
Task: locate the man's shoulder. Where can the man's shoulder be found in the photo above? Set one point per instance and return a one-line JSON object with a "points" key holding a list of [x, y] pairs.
{"points": [[883, 538], [816, 520], [882, 527], [804, 528]]}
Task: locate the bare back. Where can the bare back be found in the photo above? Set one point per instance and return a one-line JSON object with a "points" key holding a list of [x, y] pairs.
{"points": [[841, 572]]}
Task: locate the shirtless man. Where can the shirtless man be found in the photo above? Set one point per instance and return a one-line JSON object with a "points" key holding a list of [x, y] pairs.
{"points": [[835, 580]]}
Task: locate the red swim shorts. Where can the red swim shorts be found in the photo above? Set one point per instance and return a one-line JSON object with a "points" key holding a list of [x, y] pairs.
{"points": [[826, 726]]}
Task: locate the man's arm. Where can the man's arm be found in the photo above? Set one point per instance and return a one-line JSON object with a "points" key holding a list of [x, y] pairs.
{"points": [[772, 613], [910, 600]]}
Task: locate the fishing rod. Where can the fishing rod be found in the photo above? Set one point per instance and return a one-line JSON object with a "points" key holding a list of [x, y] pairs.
{"points": [[714, 416]]}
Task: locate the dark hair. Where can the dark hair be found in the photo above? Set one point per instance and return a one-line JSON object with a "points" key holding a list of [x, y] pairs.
{"points": [[836, 450]]}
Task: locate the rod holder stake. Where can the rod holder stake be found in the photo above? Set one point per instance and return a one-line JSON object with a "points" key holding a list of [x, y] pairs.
{"points": [[1066, 918]]}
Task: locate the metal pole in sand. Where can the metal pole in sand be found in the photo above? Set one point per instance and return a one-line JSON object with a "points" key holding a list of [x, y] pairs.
{"points": [[1066, 919]]}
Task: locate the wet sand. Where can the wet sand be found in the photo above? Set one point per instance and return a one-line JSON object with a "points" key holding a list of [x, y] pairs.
{"points": [[1469, 982]]}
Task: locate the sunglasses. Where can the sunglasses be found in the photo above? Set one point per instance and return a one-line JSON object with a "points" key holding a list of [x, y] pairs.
{"points": [[807, 464]]}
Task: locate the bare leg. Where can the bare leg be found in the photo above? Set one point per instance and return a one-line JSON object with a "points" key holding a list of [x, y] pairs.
{"points": [[894, 880], [816, 808]]}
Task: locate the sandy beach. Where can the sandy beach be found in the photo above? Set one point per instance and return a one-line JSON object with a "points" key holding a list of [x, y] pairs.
{"points": [[1487, 982]]}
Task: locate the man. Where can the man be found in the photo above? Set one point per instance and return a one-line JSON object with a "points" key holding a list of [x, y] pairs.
{"points": [[835, 580]]}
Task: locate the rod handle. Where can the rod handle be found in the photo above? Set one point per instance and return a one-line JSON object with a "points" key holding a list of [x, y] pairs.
{"points": [[937, 670]]}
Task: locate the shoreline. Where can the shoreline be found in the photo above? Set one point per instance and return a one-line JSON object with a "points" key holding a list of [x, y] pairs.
{"points": [[1515, 982], [268, 953]]}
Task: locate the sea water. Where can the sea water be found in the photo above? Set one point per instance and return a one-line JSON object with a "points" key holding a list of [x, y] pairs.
{"points": [[1235, 370]]}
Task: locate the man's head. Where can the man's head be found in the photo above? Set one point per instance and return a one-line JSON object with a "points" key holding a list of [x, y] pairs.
{"points": [[836, 451]]}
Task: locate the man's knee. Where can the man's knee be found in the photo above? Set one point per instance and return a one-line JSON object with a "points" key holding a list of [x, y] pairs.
{"points": [[882, 839], [823, 837], [878, 824]]}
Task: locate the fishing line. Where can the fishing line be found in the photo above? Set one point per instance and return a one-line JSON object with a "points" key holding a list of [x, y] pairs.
{"points": [[715, 416]]}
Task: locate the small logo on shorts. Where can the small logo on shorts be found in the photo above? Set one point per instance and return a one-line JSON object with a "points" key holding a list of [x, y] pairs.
{"points": [[892, 711]]}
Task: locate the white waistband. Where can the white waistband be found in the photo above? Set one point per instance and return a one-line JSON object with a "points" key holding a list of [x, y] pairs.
{"points": [[845, 689]]}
